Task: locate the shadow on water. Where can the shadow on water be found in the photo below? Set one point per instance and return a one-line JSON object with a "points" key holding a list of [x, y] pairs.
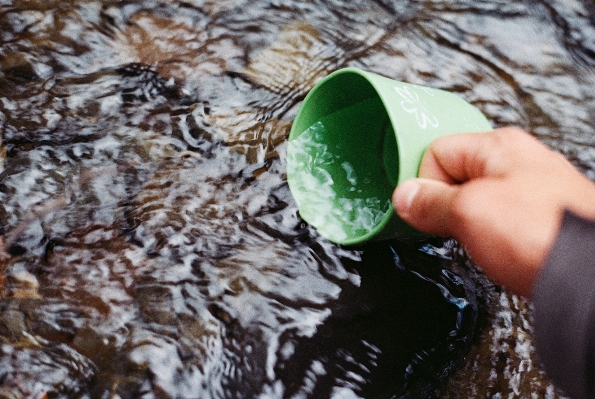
{"points": [[150, 247], [430, 312]]}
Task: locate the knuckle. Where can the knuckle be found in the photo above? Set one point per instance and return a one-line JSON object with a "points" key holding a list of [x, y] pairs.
{"points": [[514, 131], [512, 136], [506, 148]]}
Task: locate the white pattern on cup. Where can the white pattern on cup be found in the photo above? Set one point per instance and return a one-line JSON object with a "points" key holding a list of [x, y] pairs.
{"points": [[412, 104]]}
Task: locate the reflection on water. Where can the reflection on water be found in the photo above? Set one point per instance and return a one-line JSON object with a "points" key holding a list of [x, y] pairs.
{"points": [[151, 248]]}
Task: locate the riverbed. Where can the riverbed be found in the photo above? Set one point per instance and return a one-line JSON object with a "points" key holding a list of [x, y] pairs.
{"points": [[150, 246]]}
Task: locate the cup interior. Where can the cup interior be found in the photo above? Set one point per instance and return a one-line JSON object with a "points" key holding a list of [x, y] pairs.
{"points": [[342, 159]]}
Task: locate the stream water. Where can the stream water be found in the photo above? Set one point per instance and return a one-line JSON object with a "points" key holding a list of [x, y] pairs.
{"points": [[149, 243]]}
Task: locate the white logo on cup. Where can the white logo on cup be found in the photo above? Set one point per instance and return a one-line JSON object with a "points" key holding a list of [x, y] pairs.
{"points": [[412, 104]]}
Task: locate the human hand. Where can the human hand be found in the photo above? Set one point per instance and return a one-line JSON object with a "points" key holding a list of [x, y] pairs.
{"points": [[502, 194]]}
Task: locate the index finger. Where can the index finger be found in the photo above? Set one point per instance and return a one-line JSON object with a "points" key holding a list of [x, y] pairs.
{"points": [[461, 157]]}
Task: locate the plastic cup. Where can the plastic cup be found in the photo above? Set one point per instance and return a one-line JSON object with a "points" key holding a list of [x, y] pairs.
{"points": [[356, 136]]}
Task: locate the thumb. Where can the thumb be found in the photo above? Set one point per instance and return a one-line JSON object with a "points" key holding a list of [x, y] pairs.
{"points": [[426, 205]]}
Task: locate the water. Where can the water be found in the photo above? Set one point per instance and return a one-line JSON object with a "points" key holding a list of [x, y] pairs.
{"points": [[338, 180], [151, 247]]}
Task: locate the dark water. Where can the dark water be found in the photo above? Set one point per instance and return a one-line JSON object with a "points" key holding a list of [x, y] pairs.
{"points": [[151, 248]]}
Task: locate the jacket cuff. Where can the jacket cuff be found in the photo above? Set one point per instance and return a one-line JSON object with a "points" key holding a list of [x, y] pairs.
{"points": [[564, 303]]}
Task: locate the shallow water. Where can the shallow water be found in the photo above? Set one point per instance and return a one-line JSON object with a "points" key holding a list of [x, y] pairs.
{"points": [[151, 248]]}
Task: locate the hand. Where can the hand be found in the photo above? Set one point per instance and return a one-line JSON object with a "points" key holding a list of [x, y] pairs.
{"points": [[502, 194]]}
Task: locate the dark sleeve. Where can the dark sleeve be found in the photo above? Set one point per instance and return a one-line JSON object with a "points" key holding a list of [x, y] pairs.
{"points": [[564, 302]]}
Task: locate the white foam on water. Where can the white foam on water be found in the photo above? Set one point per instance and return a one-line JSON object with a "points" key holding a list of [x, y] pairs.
{"points": [[334, 217], [350, 171]]}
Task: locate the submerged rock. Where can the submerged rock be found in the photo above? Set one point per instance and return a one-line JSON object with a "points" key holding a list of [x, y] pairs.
{"points": [[150, 246]]}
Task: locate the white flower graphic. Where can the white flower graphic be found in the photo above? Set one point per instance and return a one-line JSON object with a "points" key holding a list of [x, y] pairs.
{"points": [[412, 104], [427, 90], [472, 126]]}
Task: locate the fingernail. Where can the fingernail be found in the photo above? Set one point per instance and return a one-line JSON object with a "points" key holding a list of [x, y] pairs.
{"points": [[404, 196]]}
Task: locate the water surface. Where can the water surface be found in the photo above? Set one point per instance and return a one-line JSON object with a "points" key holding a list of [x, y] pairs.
{"points": [[151, 248]]}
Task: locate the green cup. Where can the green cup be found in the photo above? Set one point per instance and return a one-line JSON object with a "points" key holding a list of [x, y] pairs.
{"points": [[358, 135]]}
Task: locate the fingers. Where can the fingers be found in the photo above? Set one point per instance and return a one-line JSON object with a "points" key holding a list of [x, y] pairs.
{"points": [[501, 194], [461, 157], [426, 205], [456, 158], [438, 202], [431, 166]]}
